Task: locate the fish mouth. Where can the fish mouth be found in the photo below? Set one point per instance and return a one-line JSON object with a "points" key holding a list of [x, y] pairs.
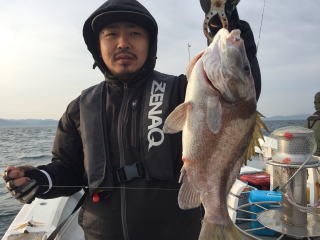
{"points": [[221, 96]]}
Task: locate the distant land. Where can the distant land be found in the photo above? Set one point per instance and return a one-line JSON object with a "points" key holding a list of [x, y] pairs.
{"points": [[52, 122], [27, 122], [290, 117]]}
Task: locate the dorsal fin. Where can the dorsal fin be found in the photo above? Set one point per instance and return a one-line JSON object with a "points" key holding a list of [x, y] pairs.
{"points": [[256, 134]]}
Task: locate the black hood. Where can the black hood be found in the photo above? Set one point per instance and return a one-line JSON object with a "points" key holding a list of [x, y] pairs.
{"points": [[120, 10]]}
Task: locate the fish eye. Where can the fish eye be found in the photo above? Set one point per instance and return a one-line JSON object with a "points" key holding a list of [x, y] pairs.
{"points": [[246, 69]]}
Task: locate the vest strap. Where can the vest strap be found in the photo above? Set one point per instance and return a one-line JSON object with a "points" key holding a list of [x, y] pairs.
{"points": [[130, 171]]}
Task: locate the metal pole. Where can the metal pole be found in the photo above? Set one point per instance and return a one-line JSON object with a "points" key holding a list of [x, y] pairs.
{"points": [[297, 188], [189, 46]]}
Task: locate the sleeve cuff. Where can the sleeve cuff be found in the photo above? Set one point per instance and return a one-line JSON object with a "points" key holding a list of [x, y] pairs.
{"points": [[49, 181]]}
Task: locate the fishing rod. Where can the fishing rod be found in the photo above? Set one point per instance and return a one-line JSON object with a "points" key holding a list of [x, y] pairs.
{"points": [[262, 17]]}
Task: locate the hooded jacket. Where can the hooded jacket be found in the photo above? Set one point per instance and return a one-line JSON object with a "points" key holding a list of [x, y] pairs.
{"points": [[110, 126], [91, 37]]}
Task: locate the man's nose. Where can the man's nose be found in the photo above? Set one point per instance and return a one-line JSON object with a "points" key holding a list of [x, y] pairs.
{"points": [[123, 42]]}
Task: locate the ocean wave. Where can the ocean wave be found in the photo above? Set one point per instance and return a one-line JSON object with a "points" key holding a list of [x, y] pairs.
{"points": [[5, 215], [35, 157]]}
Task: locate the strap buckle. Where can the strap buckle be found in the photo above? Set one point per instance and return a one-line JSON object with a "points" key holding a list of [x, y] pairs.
{"points": [[129, 172]]}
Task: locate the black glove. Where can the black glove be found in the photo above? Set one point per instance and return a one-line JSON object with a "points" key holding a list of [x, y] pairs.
{"points": [[27, 192]]}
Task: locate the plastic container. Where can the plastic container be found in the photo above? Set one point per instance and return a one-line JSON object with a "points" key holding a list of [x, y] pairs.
{"points": [[262, 196], [260, 181]]}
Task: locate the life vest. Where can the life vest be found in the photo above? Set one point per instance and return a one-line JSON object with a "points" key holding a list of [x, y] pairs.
{"points": [[157, 155]]}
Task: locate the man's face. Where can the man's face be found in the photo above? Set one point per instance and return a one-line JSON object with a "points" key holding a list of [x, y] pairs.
{"points": [[124, 48]]}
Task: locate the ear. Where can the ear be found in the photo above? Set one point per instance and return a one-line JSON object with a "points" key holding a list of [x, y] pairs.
{"points": [[192, 63]]}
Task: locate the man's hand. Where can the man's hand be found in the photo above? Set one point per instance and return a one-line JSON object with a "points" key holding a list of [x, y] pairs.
{"points": [[23, 182]]}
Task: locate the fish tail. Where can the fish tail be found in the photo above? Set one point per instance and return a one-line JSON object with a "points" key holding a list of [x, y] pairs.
{"points": [[212, 231]]}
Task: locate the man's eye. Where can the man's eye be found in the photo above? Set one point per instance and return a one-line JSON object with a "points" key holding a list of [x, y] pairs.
{"points": [[109, 34], [136, 33]]}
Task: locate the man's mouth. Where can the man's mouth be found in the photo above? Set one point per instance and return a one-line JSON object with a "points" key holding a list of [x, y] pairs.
{"points": [[125, 56]]}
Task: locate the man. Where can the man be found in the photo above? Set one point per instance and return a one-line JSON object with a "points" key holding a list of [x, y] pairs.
{"points": [[313, 122], [110, 138]]}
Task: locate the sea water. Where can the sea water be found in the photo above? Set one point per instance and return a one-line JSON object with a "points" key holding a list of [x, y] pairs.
{"points": [[32, 146], [21, 146]]}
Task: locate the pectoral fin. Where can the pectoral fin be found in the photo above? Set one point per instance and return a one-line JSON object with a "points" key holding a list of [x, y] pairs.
{"points": [[177, 118], [214, 113], [188, 197]]}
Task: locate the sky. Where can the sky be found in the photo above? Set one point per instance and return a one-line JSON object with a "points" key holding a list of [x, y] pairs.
{"points": [[44, 63]]}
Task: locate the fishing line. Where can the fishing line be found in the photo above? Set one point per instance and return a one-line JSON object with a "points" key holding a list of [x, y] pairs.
{"points": [[129, 188], [262, 17]]}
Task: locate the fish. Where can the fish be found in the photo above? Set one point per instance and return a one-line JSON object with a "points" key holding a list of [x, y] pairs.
{"points": [[220, 127]]}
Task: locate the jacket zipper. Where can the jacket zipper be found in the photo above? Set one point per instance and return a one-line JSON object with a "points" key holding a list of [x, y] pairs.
{"points": [[104, 127], [134, 123], [121, 143]]}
